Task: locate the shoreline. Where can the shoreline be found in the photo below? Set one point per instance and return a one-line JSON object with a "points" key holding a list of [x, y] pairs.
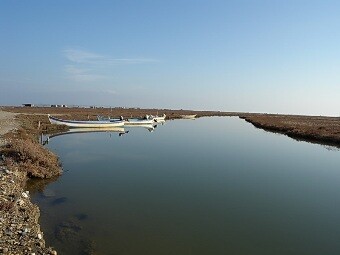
{"points": [[19, 220], [311, 129], [20, 231]]}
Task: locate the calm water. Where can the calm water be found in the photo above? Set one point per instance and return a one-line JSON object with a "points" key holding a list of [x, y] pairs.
{"points": [[209, 186]]}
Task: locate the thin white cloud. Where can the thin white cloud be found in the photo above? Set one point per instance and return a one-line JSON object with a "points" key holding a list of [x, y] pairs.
{"points": [[110, 91], [86, 57], [80, 56], [82, 75], [85, 66]]}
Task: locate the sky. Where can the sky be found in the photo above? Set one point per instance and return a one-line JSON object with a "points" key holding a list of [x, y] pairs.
{"points": [[245, 55]]}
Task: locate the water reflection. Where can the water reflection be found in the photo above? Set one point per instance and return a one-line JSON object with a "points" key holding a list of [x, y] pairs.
{"points": [[45, 138], [67, 230], [37, 186], [148, 127]]}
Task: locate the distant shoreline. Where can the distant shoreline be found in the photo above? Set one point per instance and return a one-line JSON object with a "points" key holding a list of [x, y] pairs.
{"points": [[315, 129]]}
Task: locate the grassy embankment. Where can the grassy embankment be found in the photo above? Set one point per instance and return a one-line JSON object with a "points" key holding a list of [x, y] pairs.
{"points": [[314, 129]]}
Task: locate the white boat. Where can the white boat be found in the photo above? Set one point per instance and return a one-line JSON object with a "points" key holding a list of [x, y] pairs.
{"points": [[159, 118], [192, 116], [147, 120], [85, 123], [102, 118], [136, 121]]}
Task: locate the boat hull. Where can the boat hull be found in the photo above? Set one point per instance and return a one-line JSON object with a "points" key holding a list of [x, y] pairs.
{"points": [[85, 124], [133, 122], [193, 116], [159, 118]]}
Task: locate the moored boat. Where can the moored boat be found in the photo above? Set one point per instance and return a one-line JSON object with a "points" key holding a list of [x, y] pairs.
{"points": [[102, 118], [86, 123], [159, 118], [136, 121], [190, 116], [147, 120]]}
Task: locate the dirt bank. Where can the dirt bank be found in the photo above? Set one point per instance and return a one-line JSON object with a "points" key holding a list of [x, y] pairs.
{"points": [[7, 123], [20, 157]]}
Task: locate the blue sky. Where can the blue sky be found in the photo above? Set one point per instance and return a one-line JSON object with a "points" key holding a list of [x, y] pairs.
{"points": [[253, 56]]}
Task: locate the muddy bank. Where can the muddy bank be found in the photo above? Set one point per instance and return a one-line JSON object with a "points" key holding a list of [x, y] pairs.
{"points": [[314, 129]]}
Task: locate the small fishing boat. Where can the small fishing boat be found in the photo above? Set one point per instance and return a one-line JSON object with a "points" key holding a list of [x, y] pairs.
{"points": [[102, 118], [192, 116], [147, 120], [85, 123], [159, 118]]}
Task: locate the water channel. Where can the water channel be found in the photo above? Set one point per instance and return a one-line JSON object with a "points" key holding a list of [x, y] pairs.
{"points": [[214, 185]]}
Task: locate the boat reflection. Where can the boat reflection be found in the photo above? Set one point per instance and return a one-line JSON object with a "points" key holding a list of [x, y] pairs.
{"points": [[45, 139], [150, 127], [160, 122], [120, 130], [89, 130]]}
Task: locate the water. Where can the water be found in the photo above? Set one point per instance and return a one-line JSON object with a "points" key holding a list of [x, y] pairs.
{"points": [[209, 186]]}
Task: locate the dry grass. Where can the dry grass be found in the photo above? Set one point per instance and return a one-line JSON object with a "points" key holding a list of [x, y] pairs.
{"points": [[316, 129], [32, 158], [6, 206], [25, 152], [39, 113]]}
